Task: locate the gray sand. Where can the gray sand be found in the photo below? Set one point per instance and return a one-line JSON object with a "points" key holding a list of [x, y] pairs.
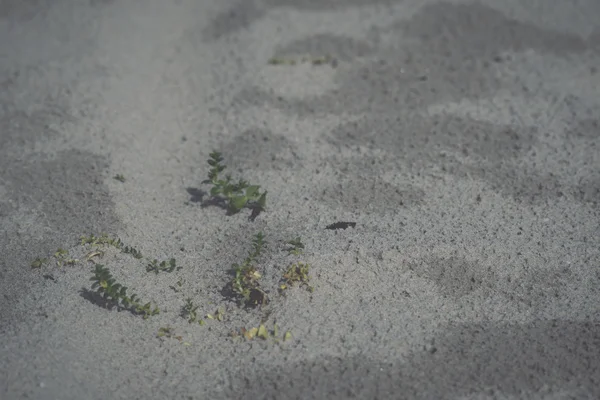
{"points": [[462, 138]]}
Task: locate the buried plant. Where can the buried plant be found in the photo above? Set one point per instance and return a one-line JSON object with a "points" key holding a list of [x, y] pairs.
{"points": [[116, 294], [246, 277], [306, 59], [297, 247], [296, 273], [263, 333], [62, 258], [164, 266], [190, 312], [104, 239], [238, 195], [167, 332]]}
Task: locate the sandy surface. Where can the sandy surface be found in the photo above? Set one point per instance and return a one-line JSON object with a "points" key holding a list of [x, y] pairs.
{"points": [[463, 139]]}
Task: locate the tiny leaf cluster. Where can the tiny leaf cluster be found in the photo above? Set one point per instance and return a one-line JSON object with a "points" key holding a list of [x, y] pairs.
{"points": [[119, 177], [190, 312]]}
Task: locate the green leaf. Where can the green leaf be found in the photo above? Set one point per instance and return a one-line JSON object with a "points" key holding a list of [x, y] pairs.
{"points": [[38, 263], [215, 155], [241, 185], [227, 190], [238, 202], [262, 201], [252, 191], [216, 190]]}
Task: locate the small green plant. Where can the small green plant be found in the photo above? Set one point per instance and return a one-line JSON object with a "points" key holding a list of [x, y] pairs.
{"points": [[219, 315], [164, 266], [68, 261], [190, 312], [39, 262], [115, 293], [246, 277], [119, 177], [263, 333], [104, 239], [167, 332], [297, 246], [298, 272], [239, 194], [179, 284], [61, 256], [61, 253], [101, 240], [133, 251]]}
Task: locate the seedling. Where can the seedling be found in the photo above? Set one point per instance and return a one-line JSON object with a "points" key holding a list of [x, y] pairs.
{"points": [[263, 333], [189, 311], [219, 314], [61, 258], [101, 240], [115, 293], [38, 262], [155, 267], [239, 194], [119, 177], [61, 253], [168, 332], [297, 272], [179, 284], [297, 246], [133, 251], [104, 239], [245, 282]]}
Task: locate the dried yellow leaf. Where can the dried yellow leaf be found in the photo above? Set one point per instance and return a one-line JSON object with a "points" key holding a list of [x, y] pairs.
{"points": [[262, 332], [251, 333]]}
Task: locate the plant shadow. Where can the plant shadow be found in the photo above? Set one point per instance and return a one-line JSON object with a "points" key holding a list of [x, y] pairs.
{"points": [[97, 299], [197, 195]]}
